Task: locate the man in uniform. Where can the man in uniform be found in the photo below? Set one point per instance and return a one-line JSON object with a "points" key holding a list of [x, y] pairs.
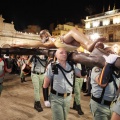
{"points": [[77, 91], [38, 64], [104, 82], [61, 80]]}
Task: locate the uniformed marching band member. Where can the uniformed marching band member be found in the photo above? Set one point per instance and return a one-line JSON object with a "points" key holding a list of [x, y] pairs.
{"points": [[38, 64], [61, 80], [77, 91], [104, 84]]}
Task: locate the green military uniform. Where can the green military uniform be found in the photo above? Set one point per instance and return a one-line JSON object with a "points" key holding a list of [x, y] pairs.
{"points": [[60, 96], [77, 92], [77, 88], [37, 76]]}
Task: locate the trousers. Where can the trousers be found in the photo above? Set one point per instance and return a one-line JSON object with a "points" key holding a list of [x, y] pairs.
{"points": [[37, 81], [60, 106], [77, 90]]}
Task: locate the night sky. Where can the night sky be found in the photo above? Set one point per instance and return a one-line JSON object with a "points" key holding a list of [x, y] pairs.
{"points": [[45, 12]]}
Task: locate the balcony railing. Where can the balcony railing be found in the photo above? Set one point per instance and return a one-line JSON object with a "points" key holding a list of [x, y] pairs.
{"points": [[104, 13]]}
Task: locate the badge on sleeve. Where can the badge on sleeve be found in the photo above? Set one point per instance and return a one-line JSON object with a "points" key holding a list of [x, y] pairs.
{"points": [[97, 69]]}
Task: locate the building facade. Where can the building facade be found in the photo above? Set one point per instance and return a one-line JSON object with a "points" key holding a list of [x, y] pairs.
{"points": [[63, 29], [106, 24], [8, 35]]}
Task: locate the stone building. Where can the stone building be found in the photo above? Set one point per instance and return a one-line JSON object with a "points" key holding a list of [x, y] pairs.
{"points": [[8, 35], [106, 24], [63, 29]]}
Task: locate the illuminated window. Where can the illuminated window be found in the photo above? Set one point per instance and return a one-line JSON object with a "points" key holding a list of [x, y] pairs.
{"points": [[106, 21], [116, 20], [87, 25], [96, 23]]}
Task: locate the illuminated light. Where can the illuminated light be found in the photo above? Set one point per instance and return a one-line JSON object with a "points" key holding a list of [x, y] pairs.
{"points": [[86, 17], [94, 36], [96, 23], [116, 20], [87, 25], [106, 21]]}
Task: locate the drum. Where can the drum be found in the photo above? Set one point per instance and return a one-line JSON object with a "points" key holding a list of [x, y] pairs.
{"points": [[26, 68]]}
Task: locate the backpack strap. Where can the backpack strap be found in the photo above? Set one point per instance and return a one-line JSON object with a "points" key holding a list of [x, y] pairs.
{"points": [[64, 74], [55, 70], [41, 62], [53, 66], [37, 58], [115, 84], [34, 64]]}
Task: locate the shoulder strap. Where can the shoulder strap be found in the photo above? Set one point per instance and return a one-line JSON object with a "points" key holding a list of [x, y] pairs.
{"points": [[53, 65], [64, 75], [34, 64], [56, 66], [112, 77], [62, 69], [40, 61], [37, 58], [115, 82]]}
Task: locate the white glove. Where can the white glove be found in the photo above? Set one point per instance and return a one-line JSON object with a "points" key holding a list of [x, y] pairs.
{"points": [[47, 103], [111, 58]]}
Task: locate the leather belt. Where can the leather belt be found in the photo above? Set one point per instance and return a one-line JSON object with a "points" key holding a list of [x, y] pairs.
{"points": [[98, 100], [77, 76], [37, 73], [60, 94]]}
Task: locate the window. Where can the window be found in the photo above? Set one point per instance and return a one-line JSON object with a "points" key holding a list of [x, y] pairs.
{"points": [[110, 37]]}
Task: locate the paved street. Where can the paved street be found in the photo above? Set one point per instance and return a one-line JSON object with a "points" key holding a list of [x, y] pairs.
{"points": [[17, 101]]}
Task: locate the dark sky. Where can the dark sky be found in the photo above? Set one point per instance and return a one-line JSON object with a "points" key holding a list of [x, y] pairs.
{"points": [[44, 12]]}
